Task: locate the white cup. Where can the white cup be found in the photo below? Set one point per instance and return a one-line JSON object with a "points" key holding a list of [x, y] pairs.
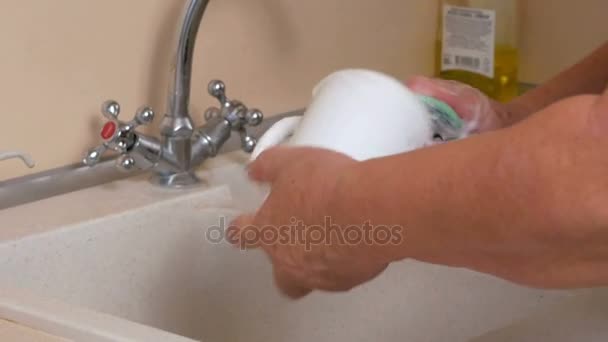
{"points": [[361, 113]]}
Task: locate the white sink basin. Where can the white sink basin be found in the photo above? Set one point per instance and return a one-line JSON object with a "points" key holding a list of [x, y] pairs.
{"points": [[583, 317], [151, 263]]}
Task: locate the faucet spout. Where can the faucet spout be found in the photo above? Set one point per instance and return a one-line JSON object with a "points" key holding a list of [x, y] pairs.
{"points": [[179, 88]]}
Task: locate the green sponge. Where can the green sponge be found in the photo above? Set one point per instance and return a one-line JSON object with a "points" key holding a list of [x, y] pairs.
{"points": [[447, 122]]}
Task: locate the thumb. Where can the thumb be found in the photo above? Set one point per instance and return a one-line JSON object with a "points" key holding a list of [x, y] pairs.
{"points": [[467, 101], [444, 90], [289, 286]]}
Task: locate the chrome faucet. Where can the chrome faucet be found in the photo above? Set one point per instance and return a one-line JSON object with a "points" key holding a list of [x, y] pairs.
{"points": [[182, 148]]}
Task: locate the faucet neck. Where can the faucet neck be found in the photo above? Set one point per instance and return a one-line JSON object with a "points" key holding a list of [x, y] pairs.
{"points": [[179, 89]]}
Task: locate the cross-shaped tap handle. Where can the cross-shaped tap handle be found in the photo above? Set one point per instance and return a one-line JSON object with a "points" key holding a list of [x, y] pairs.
{"points": [[118, 136], [235, 112]]}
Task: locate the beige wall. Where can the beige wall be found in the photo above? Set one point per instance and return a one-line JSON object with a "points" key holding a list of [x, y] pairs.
{"points": [[556, 33], [62, 58]]}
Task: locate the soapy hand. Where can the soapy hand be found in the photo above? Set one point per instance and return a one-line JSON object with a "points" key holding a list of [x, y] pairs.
{"points": [[307, 252], [479, 111]]}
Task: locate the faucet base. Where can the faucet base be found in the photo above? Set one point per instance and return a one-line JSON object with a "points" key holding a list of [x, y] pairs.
{"points": [[176, 180]]}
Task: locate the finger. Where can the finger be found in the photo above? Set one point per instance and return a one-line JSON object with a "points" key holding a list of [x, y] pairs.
{"points": [[242, 232], [234, 228], [435, 86], [421, 85], [269, 164], [443, 90], [464, 99], [289, 286]]}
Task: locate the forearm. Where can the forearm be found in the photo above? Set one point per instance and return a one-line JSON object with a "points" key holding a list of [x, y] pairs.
{"points": [[589, 76], [441, 195]]}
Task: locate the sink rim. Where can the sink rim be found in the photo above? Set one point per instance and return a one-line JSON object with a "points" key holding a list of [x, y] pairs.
{"points": [[75, 322]]}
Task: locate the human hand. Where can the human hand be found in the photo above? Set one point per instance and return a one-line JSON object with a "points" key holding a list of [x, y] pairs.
{"points": [[301, 228], [479, 111], [532, 211], [551, 230]]}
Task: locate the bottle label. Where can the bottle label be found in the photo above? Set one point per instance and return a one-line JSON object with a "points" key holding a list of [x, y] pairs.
{"points": [[468, 40]]}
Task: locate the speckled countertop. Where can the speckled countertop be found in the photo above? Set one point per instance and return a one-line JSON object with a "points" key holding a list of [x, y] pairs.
{"points": [[411, 301], [101, 201], [71, 210], [10, 331]]}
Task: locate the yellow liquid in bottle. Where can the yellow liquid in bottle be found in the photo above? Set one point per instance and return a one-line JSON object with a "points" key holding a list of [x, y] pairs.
{"points": [[504, 85]]}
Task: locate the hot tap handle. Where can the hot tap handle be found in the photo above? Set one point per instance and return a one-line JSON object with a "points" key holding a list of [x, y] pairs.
{"points": [[110, 109], [117, 135], [126, 163], [94, 155], [143, 116]]}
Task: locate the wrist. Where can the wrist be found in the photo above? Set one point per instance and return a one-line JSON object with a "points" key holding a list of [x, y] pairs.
{"points": [[509, 113], [521, 107], [342, 199], [352, 207]]}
